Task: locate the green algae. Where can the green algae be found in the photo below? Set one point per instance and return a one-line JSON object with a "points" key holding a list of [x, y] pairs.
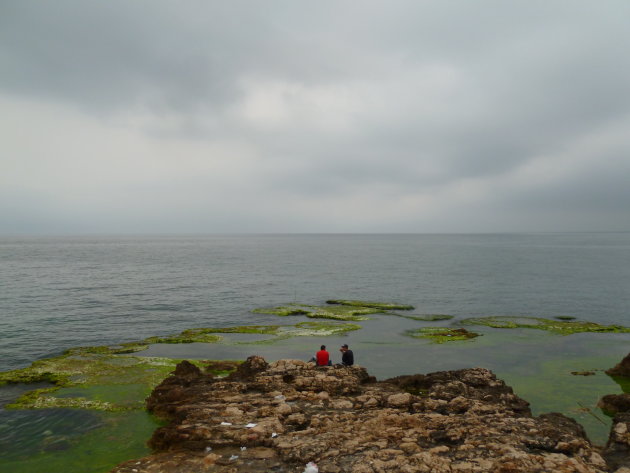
{"points": [[372, 305], [107, 378], [441, 334], [334, 312], [283, 311], [318, 329], [308, 329], [427, 317], [337, 309], [258, 329], [199, 336], [555, 326], [95, 373]]}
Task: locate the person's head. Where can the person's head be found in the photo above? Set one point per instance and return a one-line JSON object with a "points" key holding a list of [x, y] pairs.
{"points": [[323, 347], [344, 347]]}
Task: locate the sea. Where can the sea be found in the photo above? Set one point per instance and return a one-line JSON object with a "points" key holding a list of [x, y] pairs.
{"points": [[67, 291]]}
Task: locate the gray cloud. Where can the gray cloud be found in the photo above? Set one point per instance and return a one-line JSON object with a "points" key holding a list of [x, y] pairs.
{"points": [[280, 116]]}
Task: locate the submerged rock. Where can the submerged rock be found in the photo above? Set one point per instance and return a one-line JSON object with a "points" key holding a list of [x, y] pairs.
{"points": [[289, 413]]}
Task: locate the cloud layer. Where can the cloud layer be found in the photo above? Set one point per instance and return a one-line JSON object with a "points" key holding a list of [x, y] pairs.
{"points": [[244, 116]]}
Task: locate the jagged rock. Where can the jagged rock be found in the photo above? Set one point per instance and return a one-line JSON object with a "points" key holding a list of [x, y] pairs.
{"points": [[622, 368], [289, 413], [250, 368], [617, 450], [614, 403], [186, 369]]}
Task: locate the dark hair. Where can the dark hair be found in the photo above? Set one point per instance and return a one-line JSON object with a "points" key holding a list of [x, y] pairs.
{"points": [[323, 347], [344, 346]]}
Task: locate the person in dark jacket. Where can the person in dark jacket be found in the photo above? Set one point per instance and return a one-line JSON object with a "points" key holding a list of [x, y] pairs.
{"points": [[347, 357]]}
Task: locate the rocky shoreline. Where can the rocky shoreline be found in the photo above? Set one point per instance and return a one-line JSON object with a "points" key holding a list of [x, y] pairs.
{"points": [[278, 417]]}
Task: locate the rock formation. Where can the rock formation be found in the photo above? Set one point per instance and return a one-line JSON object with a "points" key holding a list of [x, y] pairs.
{"points": [[621, 369], [278, 417], [617, 450]]}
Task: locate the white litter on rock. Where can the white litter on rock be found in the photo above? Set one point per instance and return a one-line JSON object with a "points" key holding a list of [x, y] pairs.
{"points": [[233, 457], [311, 468], [250, 425], [208, 449], [226, 423], [280, 397], [243, 449], [274, 435]]}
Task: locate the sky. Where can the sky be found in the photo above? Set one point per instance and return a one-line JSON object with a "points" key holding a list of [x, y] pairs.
{"points": [[445, 116]]}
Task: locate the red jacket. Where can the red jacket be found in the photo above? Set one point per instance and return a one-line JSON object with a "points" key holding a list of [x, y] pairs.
{"points": [[322, 357]]}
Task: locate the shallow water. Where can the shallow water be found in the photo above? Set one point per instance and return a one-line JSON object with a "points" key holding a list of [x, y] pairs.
{"points": [[71, 440], [535, 363]]}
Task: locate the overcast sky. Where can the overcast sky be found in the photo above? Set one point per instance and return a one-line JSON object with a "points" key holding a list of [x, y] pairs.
{"points": [[331, 116]]}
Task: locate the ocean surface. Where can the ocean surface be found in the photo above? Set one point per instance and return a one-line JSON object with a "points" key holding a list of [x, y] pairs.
{"points": [[63, 292], [57, 293]]}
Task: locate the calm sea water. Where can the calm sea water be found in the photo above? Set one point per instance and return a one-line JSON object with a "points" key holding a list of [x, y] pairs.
{"points": [[57, 293]]}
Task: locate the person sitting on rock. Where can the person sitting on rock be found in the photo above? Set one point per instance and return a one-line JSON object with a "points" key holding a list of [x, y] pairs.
{"points": [[347, 357], [322, 357]]}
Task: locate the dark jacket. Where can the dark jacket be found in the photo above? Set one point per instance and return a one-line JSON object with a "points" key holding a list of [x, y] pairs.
{"points": [[347, 358]]}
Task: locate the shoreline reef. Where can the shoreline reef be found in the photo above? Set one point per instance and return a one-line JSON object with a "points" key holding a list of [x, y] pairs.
{"points": [[282, 416]]}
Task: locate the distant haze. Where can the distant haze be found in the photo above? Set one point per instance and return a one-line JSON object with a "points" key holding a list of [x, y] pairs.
{"points": [[333, 116]]}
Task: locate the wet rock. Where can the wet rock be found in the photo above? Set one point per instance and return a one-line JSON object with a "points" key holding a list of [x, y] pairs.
{"points": [[186, 369], [614, 403], [621, 369], [617, 450], [250, 368], [289, 413]]}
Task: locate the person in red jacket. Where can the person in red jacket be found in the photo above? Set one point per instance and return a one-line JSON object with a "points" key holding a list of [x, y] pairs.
{"points": [[322, 357]]}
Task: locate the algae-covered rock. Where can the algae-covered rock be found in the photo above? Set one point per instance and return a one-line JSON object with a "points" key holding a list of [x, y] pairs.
{"points": [[108, 378], [337, 309], [442, 334], [373, 305], [90, 380], [335, 312], [427, 317], [560, 327]]}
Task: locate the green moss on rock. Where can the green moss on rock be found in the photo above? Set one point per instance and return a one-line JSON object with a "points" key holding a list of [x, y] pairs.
{"points": [[555, 326], [89, 370], [442, 334], [334, 312], [108, 378], [370, 304], [282, 311], [427, 318]]}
